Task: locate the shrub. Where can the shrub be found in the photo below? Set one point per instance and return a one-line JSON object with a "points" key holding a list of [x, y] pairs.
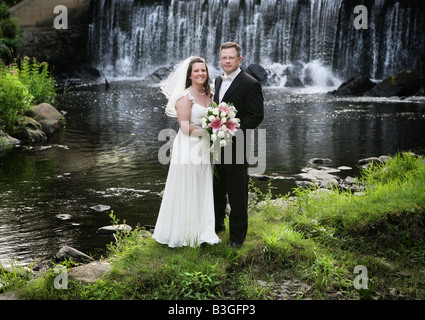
{"points": [[10, 40], [15, 99], [22, 87], [36, 76]]}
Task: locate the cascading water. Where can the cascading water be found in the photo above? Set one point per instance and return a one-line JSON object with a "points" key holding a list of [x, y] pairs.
{"points": [[132, 38]]}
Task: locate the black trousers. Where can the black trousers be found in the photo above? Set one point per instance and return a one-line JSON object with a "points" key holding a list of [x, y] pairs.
{"points": [[232, 179]]}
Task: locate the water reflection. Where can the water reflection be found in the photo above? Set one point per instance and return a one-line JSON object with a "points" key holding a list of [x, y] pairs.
{"points": [[107, 154]]}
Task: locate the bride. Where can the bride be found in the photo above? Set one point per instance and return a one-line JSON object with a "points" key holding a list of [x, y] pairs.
{"points": [[186, 216]]}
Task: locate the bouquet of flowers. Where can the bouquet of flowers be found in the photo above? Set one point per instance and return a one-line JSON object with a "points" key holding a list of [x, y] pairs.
{"points": [[221, 124]]}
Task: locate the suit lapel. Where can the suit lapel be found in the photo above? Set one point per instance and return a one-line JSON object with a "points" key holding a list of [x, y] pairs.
{"points": [[235, 83], [217, 89]]}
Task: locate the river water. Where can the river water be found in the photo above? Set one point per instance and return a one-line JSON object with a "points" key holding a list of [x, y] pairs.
{"points": [[108, 155]]}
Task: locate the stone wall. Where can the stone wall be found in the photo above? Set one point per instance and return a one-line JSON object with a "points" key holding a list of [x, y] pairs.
{"points": [[65, 49]]}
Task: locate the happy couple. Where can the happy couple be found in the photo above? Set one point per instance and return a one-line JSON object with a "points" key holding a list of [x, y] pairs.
{"points": [[193, 207]]}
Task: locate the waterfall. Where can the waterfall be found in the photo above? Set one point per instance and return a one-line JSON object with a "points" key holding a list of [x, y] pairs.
{"points": [[132, 38]]}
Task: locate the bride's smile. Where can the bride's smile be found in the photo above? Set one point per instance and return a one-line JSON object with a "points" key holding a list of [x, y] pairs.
{"points": [[199, 74]]}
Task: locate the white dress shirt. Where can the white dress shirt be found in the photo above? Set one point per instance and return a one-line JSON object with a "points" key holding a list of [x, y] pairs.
{"points": [[227, 81]]}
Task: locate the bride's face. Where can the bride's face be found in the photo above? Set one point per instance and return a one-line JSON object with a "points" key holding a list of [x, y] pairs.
{"points": [[199, 73]]}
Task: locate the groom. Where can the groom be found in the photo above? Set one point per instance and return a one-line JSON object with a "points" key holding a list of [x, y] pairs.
{"points": [[245, 93]]}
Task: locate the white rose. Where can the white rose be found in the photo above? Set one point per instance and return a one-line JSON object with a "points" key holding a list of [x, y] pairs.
{"points": [[211, 118], [232, 114], [213, 137], [223, 127], [220, 134], [216, 111], [223, 114], [223, 143], [224, 119]]}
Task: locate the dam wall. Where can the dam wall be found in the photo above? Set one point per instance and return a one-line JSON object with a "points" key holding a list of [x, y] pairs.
{"points": [[58, 36]]}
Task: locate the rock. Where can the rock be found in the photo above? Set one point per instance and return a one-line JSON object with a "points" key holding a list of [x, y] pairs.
{"points": [[354, 87], [385, 158], [32, 123], [420, 93], [11, 295], [344, 168], [405, 83], [350, 180], [365, 163], [329, 170], [67, 252], [157, 77], [89, 273], [304, 184], [7, 141], [317, 161], [329, 184], [113, 229], [100, 208], [263, 177], [47, 115], [315, 175], [258, 72], [63, 216], [293, 82], [29, 135]]}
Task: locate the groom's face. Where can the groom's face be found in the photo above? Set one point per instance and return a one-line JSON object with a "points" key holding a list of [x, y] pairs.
{"points": [[229, 60]]}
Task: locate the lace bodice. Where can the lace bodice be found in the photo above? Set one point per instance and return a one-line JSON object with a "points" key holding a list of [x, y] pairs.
{"points": [[198, 111]]}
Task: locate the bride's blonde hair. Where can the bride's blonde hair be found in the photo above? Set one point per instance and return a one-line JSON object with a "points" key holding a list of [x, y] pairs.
{"points": [[207, 87]]}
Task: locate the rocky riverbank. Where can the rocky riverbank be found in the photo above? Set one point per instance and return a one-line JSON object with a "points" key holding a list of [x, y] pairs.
{"points": [[36, 127], [408, 82]]}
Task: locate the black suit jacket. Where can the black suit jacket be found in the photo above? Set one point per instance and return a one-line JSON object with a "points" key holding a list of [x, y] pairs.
{"points": [[246, 94]]}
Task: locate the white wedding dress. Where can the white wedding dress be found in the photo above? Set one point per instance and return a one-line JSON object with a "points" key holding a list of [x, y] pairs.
{"points": [[186, 216]]}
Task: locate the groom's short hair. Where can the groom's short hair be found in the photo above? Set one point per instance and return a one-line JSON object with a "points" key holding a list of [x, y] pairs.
{"points": [[232, 44]]}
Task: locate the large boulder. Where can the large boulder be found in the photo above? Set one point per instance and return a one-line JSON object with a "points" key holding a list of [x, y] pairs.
{"points": [[89, 273], [30, 132], [405, 83], [294, 82], [49, 118], [157, 77], [258, 72], [354, 87]]}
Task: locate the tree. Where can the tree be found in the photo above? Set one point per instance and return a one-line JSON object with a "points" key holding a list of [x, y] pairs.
{"points": [[10, 39]]}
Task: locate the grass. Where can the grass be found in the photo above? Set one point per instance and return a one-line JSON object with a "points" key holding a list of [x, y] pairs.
{"points": [[303, 245]]}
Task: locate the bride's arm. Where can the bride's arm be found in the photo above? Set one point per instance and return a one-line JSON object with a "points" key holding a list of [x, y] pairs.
{"points": [[184, 109]]}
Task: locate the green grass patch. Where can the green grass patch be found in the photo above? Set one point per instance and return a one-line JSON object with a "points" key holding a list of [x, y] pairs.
{"points": [[306, 244]]}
